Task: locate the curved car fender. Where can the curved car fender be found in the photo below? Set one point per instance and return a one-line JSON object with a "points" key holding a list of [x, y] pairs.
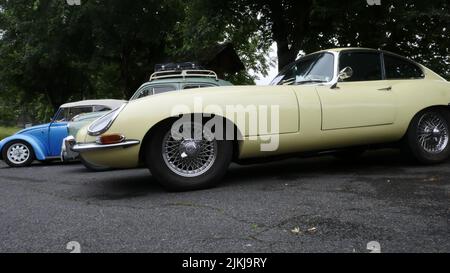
{"points": [[139, 116], [39, 149]]}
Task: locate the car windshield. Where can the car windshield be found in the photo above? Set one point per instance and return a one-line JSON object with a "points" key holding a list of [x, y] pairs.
{"points": [[66, 114], [313, 68]]}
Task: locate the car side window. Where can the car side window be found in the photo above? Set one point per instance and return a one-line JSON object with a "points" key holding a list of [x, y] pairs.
{"points": [[366, 65], [151, 90], [398, 68], [78, 111], [101, 108], [197, 85]]}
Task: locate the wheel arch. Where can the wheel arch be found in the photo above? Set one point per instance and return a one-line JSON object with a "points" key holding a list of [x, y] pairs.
{"points": [[238, 137], [443, 108], [38, 151]]}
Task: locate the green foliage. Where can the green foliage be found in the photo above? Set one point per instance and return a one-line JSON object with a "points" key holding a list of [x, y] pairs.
{"points": [[7, 131], [416, 29], [210, 22], [51, 53]]}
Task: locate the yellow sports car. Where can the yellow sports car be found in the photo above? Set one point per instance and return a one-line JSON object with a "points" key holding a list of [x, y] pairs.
{"points": [[338, 100]]}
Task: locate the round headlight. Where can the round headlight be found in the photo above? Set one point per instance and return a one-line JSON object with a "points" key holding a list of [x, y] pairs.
{"points": [[102, 124]]}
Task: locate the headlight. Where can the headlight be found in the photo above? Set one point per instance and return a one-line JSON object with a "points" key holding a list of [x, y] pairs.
{"points": [[102, 124]]}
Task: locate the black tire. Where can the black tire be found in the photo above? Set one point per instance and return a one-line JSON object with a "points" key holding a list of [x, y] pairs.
{"points": [[13, 164], [350, 154], [172, 181], [93, 167], [411, 143]]}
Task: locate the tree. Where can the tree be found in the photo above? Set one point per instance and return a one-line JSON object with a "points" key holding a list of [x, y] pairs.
{"points": [[206, 23], [416, 29], [77, 52]]}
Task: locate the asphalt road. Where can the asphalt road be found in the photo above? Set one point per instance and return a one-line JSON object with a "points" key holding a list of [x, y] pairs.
{"points": [[298, 205]]}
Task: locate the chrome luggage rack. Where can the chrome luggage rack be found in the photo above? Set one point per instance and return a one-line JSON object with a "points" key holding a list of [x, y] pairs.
{"points": [[184, 74]]}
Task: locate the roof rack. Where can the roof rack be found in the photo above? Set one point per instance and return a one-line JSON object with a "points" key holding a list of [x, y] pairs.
{"points": [[183, 74], [178, 66]]}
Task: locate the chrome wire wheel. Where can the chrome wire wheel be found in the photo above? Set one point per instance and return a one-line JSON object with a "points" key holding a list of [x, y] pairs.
{"points": [[18, 153], [433, 133], [189, 157]]}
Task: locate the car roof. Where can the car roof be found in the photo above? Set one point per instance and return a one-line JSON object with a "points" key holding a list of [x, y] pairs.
{"points": [[112, 104], [340, 49], [358, 48]]}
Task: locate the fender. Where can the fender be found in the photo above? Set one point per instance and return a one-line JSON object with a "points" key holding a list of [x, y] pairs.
{"points": [[38, 148]]}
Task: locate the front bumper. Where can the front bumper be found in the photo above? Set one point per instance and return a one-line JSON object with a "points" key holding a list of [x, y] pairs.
{"points": [[66, 149], [85, 147]]}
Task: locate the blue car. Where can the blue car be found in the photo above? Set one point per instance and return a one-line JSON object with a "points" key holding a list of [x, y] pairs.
{"points": [[43, 142]]}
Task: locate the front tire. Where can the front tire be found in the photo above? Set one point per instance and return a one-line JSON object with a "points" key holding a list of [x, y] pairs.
{"points": [[18, 154], [427, 139], [188, 163]]}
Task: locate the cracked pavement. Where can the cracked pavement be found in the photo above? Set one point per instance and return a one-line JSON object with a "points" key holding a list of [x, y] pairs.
{"points": [[318, 204]]}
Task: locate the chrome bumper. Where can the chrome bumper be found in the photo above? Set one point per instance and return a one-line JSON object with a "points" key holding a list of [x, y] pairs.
{"points": [[66, 150], [83, 147]]}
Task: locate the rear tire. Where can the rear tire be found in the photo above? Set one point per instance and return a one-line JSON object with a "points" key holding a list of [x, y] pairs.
{"points": [[187, 164], [18, 154], [427, 139]]}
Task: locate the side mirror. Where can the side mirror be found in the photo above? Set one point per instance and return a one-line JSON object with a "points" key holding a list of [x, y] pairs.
{"points": [[345, 73]]}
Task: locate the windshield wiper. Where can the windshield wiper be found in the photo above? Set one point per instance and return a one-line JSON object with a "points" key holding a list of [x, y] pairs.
{"points": [[311, 81]]}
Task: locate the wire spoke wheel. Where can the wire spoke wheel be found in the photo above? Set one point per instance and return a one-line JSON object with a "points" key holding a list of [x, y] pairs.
{"points": [[432, 133], [18, 153], [189, 156]]}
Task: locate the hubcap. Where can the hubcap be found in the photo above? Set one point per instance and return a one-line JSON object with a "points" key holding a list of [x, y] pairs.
{"points": [[189, 157], [433, 134], [18, 153]]}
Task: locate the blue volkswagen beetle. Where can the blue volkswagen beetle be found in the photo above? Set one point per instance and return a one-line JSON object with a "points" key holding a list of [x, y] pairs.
{"points": [[43, 142]]}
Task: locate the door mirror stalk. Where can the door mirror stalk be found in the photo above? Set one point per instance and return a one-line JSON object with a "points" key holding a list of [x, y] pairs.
{"points": [[345, 73]]}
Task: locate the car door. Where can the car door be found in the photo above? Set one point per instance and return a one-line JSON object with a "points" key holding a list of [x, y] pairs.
{"points": [[365, 99], [57, 132]]}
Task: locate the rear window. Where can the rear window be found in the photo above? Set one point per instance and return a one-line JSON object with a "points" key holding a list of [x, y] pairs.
{"points": [[399, 68], [197, 85]]}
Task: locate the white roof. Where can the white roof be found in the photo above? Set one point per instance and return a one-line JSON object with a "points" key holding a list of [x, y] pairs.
{"points": [[112, 104]]}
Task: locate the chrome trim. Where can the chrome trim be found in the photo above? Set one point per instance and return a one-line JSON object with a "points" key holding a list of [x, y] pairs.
{"points": [[113, 118], [94, 146], [66, 149]]}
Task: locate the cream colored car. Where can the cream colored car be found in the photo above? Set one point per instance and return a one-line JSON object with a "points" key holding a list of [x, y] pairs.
{"points": [[339, 100]]}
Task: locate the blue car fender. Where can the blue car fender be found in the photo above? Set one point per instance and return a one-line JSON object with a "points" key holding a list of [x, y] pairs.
{"points": [[38, 148]]}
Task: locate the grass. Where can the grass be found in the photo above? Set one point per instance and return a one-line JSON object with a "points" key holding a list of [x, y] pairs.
{"points": [[7, 131]]}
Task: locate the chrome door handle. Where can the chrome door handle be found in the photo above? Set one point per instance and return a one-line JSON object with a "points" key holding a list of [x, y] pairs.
{"points": [[385, 89]]}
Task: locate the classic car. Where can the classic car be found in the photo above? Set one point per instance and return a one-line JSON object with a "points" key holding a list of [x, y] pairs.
{"points": [[73, 127], [43, 142], [167, 78], [339, 100]]}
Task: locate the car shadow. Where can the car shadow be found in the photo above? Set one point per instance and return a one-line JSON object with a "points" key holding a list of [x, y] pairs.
{"points": [[132, 187], [126, 184], [373, 162]]}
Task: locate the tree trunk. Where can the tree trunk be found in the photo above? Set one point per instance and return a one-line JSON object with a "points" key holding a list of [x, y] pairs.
{"points": [[289, 28]]}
